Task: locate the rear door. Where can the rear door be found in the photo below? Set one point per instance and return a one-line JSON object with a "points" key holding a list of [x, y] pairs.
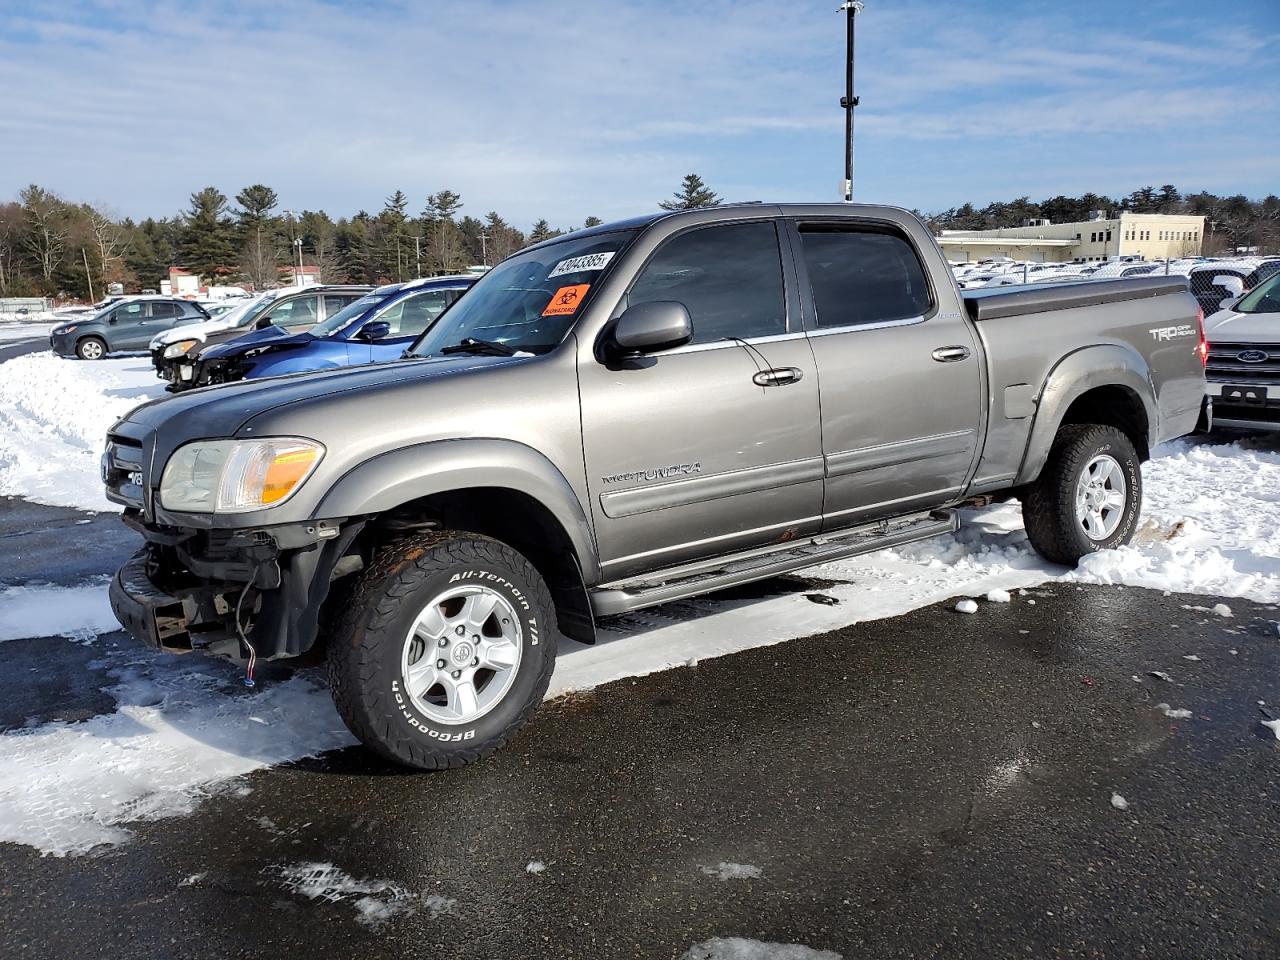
{"points": [[899, 378], [695, 451]]}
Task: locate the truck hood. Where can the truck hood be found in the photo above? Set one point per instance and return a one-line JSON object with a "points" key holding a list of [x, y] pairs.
{"points": [[1228, 326], [222, 411]]}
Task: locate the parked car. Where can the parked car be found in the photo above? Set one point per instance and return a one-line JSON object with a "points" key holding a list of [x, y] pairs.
{"points": [[378, 326], [293, 309], [1244, 359], [1219, 281], [625, 416], [127, 324], [170, 346]]}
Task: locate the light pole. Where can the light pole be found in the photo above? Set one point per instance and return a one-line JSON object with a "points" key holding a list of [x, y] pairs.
{"points": [[484, 247], [851, 10]]}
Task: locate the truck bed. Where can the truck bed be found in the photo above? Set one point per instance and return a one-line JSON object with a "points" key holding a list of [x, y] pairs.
{"points": [[990, 304]]}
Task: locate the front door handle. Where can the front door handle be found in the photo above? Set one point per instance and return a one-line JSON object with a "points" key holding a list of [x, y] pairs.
{"points": [[777, 377], [951, 354]]}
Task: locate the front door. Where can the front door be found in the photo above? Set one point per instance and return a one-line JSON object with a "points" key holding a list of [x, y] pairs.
{"points": [[128, 328], [899, 374], [687, 454]]}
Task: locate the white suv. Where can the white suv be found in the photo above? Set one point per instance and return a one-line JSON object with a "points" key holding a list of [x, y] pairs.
{"points": [[1243, 371]]}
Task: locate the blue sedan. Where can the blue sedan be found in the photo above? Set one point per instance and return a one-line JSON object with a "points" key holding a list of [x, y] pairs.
{"points": [[377, 327]]}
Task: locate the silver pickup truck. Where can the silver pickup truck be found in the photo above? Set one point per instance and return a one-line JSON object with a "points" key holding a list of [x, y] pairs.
{"points": [[624, 416]]}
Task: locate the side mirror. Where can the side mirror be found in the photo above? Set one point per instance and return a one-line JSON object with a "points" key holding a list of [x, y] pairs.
{"points": [[111, 317], [650, 327], [262, 323], [374, 330]]}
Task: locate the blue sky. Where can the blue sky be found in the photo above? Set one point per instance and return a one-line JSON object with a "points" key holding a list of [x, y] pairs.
{"points": [[561, 110]]}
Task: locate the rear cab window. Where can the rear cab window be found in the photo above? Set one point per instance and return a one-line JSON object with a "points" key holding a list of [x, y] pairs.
{"points": [[861, 275]]}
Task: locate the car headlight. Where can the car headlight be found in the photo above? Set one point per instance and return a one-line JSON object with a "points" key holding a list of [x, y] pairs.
{"points": [[236, 476], [175, 350], [62, 330]]}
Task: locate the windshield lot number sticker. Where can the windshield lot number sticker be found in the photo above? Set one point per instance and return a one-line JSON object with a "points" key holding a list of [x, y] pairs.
{"points": [[585, 264], [565, 300]]}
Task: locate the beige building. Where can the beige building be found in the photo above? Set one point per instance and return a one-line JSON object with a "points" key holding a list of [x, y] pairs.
{"points": [[1151, 236]]}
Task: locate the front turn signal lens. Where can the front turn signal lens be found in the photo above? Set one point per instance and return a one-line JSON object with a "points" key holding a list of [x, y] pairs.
{"points": [[286, 471]]}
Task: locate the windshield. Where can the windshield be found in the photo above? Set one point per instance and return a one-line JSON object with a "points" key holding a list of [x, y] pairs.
{"points": [[1264, 298], [251, 312], [529, 301], [347, 314]]}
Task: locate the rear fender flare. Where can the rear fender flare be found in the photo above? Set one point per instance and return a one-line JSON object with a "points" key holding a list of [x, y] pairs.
{"points": [[1101, 365], [397, 477]]}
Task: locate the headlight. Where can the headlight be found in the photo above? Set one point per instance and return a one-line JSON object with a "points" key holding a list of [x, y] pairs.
{"points": [[235, 476], [178, 349], [62, 330]]}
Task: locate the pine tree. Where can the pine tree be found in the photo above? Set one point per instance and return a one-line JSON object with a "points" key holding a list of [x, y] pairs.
{"points": [[542, 231], [591, 222], [446, 245], [207, 241], [692, 194]]}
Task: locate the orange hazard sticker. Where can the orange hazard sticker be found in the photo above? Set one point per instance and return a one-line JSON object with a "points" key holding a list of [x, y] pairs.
{"points": [[565, 300]]}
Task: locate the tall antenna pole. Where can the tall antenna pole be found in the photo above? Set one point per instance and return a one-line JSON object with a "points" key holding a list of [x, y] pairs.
{"points": [[849, 101]]}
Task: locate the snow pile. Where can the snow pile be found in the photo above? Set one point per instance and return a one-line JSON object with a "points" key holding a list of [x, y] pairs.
{"points": [[737, 948], [536, 867], [724, 870], [375, 901], [54, 416], [1273, 726], [39, 611], [182, 727], [966, 606]]}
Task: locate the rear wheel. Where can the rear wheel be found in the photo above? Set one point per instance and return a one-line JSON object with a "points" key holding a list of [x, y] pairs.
{"points": [[445, 650], [91, 348], [1087, 497]]}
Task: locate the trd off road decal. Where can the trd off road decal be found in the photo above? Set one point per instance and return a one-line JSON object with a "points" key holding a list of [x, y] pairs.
{"points": [[565, 300], [585, 264]]}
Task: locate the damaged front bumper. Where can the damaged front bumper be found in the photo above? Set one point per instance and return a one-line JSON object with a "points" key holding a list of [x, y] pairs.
{"points": [[218, 590]]}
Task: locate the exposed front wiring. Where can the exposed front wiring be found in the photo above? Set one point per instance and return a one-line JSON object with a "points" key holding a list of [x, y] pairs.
{"points": [[253, 654]]}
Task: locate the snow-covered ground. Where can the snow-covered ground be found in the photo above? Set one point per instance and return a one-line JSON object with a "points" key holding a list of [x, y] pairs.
{"points": [[184, 727], [23, 330], [54, 417]]}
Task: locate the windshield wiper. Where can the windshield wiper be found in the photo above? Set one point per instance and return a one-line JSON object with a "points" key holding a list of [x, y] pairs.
{"points": [[472, 345]]}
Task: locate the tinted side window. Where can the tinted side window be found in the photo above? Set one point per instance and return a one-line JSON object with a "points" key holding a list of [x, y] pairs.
{"points": [[130, 313], [861, 277], [728, 277], [333, 302], [300, 311], [163, 311], [412, 315]]}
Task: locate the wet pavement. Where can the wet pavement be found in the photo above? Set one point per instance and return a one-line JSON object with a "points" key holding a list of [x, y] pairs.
{"points": [[931, 785], [62, 545]]}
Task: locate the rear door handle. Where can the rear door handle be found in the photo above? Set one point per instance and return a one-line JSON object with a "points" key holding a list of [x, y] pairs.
{"points": [[951, 354], [777, 377]]}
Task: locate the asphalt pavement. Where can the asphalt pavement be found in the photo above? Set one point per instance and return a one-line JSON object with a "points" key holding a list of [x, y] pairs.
{"points": [[935, 785]]}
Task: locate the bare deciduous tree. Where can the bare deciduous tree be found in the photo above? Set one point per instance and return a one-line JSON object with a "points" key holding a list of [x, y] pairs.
{"points": [[46, 222]]}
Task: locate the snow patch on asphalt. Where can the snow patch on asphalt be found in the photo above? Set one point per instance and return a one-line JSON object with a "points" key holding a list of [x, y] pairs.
{"points": [[726, 870], [79, 613], [54, 417], [182, 727], [737, 948], [375, 901]]}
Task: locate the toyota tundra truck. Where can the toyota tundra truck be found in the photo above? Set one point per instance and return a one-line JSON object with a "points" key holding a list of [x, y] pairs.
{"points": [[625, 416]]}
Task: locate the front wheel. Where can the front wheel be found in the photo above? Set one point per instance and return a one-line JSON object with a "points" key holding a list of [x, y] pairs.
{"points": [[445, 650], [1087, 497], [91, 348]]}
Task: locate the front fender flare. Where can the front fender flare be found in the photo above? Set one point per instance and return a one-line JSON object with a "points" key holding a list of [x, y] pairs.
{"points": [[397, 477], [1100, 365]]}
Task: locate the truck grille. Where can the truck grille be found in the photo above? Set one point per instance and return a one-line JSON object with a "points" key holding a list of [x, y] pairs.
{"points": [[122, 470], [1260, 366]]}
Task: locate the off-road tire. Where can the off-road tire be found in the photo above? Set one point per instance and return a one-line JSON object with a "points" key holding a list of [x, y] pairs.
{"points": [[364, 655], [96, 342], [1049, 507]]}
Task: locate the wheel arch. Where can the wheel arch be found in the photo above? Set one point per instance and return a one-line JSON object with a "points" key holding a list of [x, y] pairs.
{"points": [[1107, 384], [497, 488]]}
